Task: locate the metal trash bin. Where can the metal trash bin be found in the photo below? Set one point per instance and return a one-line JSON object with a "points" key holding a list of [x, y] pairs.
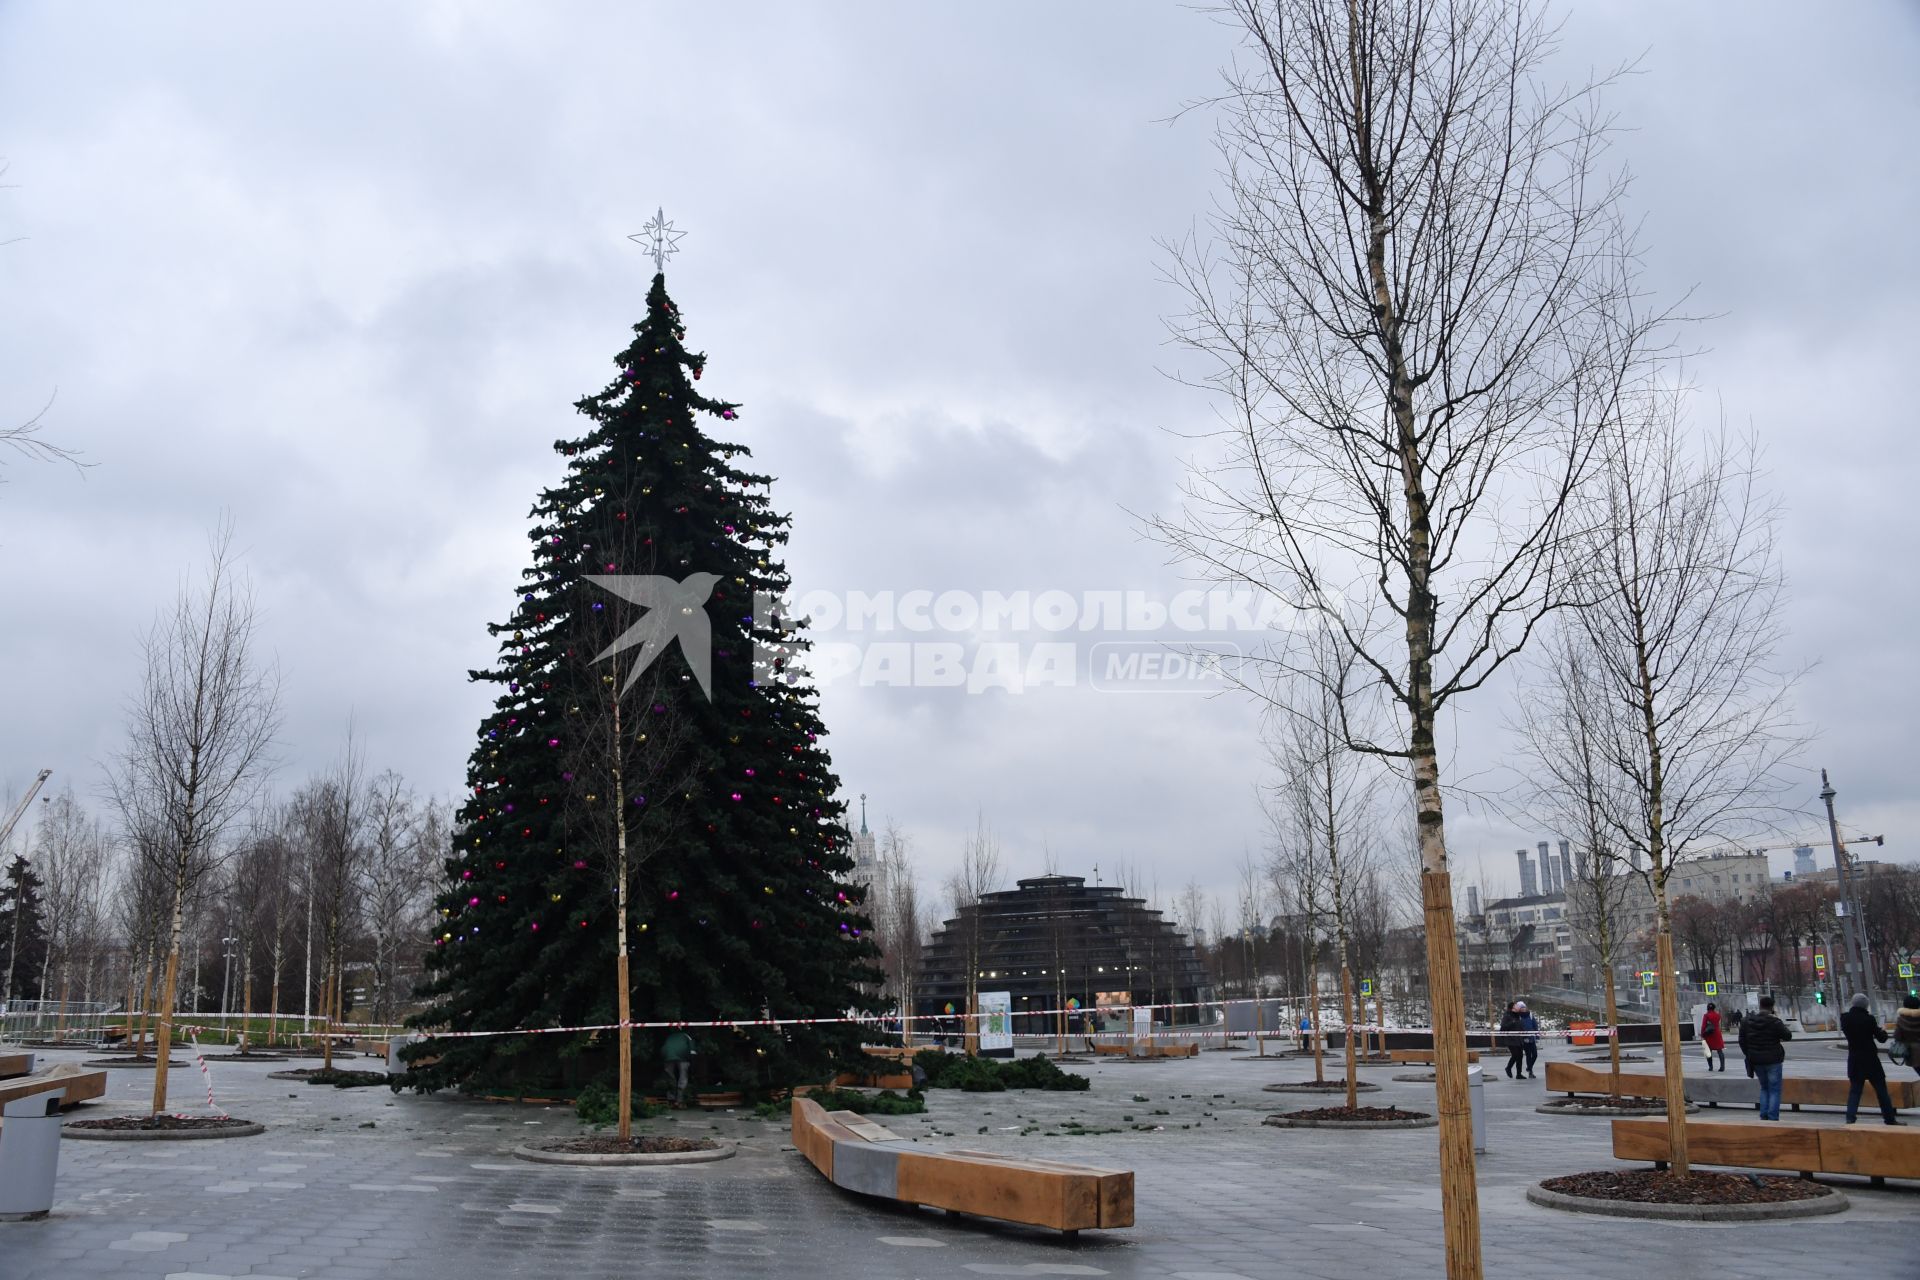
{"points": [[29, 1154], [1476, 1096]]}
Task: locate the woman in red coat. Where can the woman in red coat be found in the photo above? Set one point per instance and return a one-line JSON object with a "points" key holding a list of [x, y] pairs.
{"points": [[1710, 1036]]}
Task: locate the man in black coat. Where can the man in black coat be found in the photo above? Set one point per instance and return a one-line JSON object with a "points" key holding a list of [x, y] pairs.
{"points": [[1864, 1035], [1763, 1040]]}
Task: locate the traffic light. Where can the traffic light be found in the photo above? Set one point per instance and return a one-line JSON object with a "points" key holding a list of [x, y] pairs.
{"points": [[1819, 997]]}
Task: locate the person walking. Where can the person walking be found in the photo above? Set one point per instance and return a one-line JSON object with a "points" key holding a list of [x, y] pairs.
{"points": [[1763, 1040], [1711, 1037], [1530, 1039], [1864, 1034], [677, 1054], [1511, 1024], [1906, 1034]]}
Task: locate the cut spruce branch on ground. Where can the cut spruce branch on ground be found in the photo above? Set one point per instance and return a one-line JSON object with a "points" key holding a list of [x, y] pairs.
{"points": [[992, 1075]]}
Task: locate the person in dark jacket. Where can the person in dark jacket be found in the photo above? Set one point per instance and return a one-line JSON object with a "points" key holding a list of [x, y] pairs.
{"points": [[1864, 1035], [1511, 1023], [1530, 1039], [1763, 1040], [1906, 1030]]}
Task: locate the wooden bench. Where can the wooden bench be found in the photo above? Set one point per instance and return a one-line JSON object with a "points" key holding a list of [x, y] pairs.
{"points": [[1125, 1050], [878, 1080], [1424, 1057], [78, 1084], [1724, 1090], [1869, 1151], [15, 1064], [857, 1154], [1571, 1077]]}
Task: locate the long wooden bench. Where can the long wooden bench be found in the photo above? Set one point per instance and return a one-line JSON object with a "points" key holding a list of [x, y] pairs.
{"points": [[77, 1084], [1123, 1049], [857, 1154], [1868, 1151], [15, 1064], [1571, 1077], [1724, 1090], [1424, 1057]]}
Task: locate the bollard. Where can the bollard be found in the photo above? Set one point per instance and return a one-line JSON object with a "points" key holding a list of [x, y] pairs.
{"points": [[1477, 1096], [29, 1155]]}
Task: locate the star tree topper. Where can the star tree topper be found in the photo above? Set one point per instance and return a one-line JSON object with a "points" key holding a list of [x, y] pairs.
{"points": [[659, 238]]}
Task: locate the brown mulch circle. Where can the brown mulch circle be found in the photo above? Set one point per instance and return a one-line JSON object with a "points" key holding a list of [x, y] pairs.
{"points": [[130, 1062], [1625, 1057], [1319, 1086], [1358, 1113], [121, 1124], [640, 1144], [1651, 1186]]}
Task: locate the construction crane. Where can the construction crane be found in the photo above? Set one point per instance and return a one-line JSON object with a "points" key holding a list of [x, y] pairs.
{"points": [[21, 808]]}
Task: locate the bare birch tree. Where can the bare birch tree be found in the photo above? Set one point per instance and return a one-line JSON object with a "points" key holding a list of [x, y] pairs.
{"points": [[1565, 722], [1323, 800], [331, 810], [900, 919], [1680, 633], [1298, 875], [72, 857], [198, 746], [401, 871], [1416, 302], [978, 874]]}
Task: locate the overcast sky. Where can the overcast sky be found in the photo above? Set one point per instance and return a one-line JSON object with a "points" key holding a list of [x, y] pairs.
{"points": [[340, 271]]}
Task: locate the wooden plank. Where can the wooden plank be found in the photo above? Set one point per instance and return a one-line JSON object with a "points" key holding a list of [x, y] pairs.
{"points": [[1819, 1091], [1042, 1193], [77, 1085], [1571, 1077], [1741, 1146], [15, 1064], [1000, 1189], [1871, 1151]]}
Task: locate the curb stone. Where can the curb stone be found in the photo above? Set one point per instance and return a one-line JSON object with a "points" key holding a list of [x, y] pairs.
{"points": [[726, 1151], [1832, 1202]]}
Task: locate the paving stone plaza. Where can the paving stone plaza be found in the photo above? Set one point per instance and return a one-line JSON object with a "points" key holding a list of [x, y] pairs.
{"points": [[363, 1184]]}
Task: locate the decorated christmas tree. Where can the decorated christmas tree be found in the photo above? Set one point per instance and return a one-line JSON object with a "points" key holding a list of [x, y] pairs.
{"points": [[648, 736]]}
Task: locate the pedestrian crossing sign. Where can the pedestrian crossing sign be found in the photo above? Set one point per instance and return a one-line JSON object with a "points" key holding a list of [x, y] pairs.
{"points": [[1646, 977], [1366, 986], [1819, 962], [1906, 971], [1712, 988]]}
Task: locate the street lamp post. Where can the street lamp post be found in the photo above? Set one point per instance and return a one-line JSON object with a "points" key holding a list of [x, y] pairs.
{"points": [[227, 956], [1849, 924]]}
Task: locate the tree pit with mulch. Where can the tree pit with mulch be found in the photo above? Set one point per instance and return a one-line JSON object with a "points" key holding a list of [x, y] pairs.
{"points": [[1358, 1113], [641, 1144], [1663, 1186], [245, 1057], [1613, 1104], [158, 1124], [1319, 1086], [131, 1062]]}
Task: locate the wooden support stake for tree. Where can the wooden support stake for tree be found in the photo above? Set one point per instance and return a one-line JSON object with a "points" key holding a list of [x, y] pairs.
{"points": [[625, 998], [1460, 1193], [1672, 1053], [163, 1044], [1346, 1001]]}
